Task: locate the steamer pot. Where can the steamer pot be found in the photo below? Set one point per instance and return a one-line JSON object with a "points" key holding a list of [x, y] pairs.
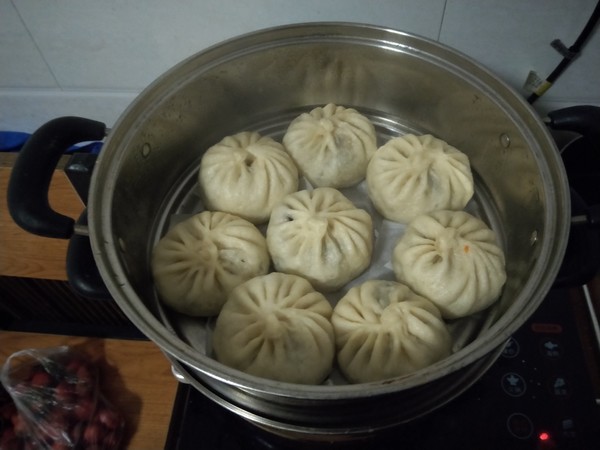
{"points": [[145, 176]]}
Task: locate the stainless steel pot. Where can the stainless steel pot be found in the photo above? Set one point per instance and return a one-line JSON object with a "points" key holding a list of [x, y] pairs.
{"points": [[146, 176]]}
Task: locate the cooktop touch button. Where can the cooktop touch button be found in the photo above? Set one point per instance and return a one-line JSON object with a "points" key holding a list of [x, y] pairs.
{"points": [[559, 387], [551, 348], [519, 425], [511, 349], [513, 384]]}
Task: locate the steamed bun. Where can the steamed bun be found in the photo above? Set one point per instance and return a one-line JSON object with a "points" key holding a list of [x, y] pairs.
{"points": [[321, 236], [384, 330], [246, 174], [412, 175], [331, 145], [200, 260], [278, 327], [453, 259]]}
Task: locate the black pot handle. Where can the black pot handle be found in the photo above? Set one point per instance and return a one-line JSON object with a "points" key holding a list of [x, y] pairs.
{"points": [[582, 119], [582, 259], [30, 178], [82, 270]]}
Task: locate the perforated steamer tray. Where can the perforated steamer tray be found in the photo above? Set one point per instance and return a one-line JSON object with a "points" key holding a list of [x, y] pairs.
{"points": [[185, 200]]}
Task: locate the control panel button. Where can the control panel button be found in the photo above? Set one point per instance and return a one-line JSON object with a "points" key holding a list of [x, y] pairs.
{"points": [[559, 387], [519, 426], [568, 428], [511, 349], [513, 384], [551, 348]]}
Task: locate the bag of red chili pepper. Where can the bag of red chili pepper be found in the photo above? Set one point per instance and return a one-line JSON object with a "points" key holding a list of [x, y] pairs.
{"points": [[56, 403]]}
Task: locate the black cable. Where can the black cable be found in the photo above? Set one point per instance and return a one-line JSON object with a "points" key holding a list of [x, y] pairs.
{"points": [[569, 55]]}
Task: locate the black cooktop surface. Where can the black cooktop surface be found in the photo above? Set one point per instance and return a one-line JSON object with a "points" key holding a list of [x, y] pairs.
{"points": [[538, 395]]}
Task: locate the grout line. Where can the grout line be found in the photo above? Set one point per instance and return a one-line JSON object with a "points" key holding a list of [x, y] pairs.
{"points": [[442, 21], [58, 86], [67, 92]]}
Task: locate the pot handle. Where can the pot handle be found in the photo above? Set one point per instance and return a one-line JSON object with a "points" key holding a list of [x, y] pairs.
{"points": [[582, 119], [582, 259], [82, 271], [30, 178]]}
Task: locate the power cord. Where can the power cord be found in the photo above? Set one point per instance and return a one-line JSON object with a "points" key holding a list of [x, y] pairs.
{"points": [[569, 54]]}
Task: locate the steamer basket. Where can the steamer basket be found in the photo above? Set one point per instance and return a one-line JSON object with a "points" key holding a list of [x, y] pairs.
{"points": [[145, 179]]}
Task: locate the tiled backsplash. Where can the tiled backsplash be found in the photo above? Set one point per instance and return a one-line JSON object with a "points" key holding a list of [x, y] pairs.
{"points": [[91, 58]]}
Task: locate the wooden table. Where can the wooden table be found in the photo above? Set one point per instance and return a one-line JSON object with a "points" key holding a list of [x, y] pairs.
{"points": [[135, 375]]}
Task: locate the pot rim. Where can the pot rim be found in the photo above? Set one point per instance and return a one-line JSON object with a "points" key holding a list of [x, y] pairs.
{"points": [[553, 237]]}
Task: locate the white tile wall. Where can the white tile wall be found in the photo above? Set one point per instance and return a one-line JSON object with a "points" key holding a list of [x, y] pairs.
{"points": [[26, 109], [90, 58], [21, 63], [513, 37], [126, 44]]}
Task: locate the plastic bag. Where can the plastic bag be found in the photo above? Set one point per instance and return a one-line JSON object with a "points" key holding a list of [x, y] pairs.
{"points": [[57, 403]]}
